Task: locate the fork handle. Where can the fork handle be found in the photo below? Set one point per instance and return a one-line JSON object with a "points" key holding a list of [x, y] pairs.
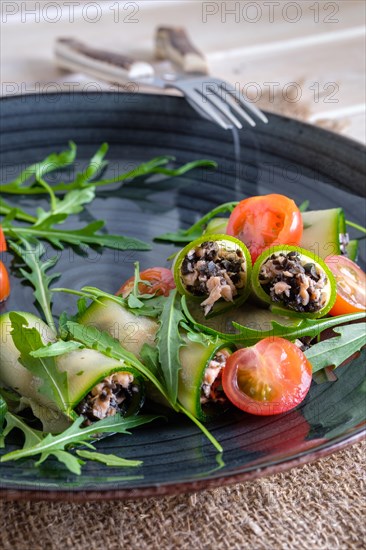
{"points": [[174, 44], [114, 67]]}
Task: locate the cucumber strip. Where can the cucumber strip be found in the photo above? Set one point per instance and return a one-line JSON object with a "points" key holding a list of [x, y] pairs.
{"points": [[352, 250], [323, 230], [130, 330]]}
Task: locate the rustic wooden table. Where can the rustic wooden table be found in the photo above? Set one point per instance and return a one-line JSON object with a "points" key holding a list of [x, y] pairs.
{"points": [[306, 58]]}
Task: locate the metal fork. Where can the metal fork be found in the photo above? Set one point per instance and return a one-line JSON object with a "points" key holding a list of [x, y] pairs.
{"points": [[212, 98]]}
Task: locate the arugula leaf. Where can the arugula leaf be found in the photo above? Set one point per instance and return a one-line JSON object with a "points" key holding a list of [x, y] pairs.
{"points": [[186, 236], [153, 166], [147, 305], [74, 435], [26, 340], [246, 336], [3, 411], [53, 162], [108, 460], [86, 236], [15, 212], [93, 338], [334, 351], [31, 436], [32, 256], [56, 348], [72, 203], [169, 342], [304, 206], [150, 358]]}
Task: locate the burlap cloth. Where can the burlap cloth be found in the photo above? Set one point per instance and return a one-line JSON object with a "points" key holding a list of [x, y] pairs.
{"points": [[320, 506]]}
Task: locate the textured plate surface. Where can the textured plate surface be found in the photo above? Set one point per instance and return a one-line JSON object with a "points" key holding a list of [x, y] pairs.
{"points": [[286, 157]]}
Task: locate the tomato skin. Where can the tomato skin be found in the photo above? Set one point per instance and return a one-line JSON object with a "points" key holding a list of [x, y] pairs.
{"points": [[161, 279], [269, 378], [351, 285], [3, 246], [4, 283], [266, 220]]}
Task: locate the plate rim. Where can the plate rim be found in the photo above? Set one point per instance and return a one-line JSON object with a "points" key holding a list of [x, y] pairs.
{"points": [[175, 488]]}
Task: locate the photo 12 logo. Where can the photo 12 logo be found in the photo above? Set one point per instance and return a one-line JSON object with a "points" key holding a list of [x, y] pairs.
{"points": [[53, 12], [270, 12]]}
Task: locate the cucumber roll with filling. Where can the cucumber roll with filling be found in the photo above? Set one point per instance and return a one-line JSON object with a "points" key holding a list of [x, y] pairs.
{"points": [[212, 269], [294, 279], [98, 386], [201, 363]]}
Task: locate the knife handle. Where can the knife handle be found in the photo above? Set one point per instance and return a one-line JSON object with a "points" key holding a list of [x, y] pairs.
{"points": [[110, 66], [174, 44]]}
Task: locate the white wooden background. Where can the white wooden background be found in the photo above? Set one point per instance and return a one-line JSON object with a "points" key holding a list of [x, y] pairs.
{"points": [[259, 45]]}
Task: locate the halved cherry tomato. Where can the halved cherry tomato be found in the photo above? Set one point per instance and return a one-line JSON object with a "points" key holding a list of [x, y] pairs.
{"points": [[3, 246], [4, 283], [271, 377], [160, 278], [264, 221], [351, 285]]}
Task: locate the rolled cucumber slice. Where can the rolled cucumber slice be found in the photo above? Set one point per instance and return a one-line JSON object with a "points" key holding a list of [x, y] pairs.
{"points": [[85, 369], [261, 282], [130, 330]]}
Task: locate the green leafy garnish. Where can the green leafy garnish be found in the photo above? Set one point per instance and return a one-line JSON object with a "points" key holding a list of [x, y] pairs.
{"points": [[31, 436], [334, 351], [108, 460], [186, 236], [246, 336], [57, 445], [37, 275], [3, 411], [106, 344], [169, 342], [53, 162], [56, 348], [87, 236], [27, 340], [356, 226]]}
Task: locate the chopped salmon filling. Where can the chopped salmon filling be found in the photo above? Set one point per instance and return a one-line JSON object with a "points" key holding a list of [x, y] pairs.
{"points": [[294, 283], [216, 272], [109, 397]]}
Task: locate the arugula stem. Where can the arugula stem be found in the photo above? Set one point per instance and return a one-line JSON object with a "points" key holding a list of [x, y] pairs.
{"points": [[203, 429], [356, 226], [17, 213], [50, 191]]}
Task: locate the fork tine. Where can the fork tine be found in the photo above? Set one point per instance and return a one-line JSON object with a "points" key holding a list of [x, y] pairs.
{"points": [[195, 99], [221, 106], [244, 103], [239, 108]]}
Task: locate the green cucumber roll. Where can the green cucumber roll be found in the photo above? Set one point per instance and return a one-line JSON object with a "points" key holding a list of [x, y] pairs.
{"points": [[98, 386], [295, 280], [214, 268], [201, 363]]}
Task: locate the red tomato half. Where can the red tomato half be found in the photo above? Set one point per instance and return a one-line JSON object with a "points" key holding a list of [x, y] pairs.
{"points": [[4, 283], [160, 278], [351, 285], [264, 221], [271, 377], [3, 246]]}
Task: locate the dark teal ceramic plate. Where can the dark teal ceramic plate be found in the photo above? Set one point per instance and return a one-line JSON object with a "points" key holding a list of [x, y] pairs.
{"points": [[283, 157]]}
